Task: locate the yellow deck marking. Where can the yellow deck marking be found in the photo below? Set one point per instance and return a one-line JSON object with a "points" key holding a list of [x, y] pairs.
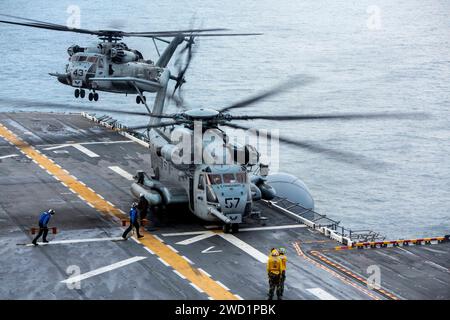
{"points": [[209, 286]]}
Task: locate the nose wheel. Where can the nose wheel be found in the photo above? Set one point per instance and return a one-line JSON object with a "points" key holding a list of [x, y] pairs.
{"points": [[231, 228]]}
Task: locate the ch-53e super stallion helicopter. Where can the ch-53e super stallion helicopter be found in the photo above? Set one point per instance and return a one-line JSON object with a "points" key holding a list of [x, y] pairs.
{"points": [[112, 66], [229, 177]]}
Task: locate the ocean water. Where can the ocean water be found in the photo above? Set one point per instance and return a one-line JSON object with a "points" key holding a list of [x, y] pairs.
{"points": [[367, 56]]}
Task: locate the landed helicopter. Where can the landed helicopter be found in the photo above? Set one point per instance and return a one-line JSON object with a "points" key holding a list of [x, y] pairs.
{"points": [[222, 184], [112, 66]]}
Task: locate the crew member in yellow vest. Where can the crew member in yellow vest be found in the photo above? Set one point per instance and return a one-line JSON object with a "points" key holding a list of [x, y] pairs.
{"points": [[274, 273], [282, 252]]}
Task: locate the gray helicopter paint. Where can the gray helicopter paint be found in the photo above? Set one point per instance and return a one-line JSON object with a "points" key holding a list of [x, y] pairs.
{"points": [[292, 188], [116, 75]]}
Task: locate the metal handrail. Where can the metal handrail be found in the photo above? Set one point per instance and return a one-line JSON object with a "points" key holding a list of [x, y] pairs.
{"points": [[360, 235]]}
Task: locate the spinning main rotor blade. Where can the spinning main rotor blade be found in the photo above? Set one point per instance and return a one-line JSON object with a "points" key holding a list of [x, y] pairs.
{"points": [[130, 34], [289, 84], [182, 71], [150, 126], [23, 103], [30, 20], [55, 27], [117, 33], [343, 116], [204, 34], [342, 156]]}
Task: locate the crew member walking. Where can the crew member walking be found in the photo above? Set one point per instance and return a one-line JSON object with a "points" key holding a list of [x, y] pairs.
{"points": [[142, 207], [274, 273], [43, 226], [282, 252], [133, 222]]}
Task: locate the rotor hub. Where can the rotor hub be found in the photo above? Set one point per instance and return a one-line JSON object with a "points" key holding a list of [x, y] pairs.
{"points": [[201, 114]]}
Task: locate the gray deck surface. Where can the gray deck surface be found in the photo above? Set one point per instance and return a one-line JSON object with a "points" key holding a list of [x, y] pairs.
{"points": [[36, 272]]}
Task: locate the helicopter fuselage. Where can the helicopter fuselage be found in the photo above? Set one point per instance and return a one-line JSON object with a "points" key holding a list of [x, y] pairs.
{"points": [[111, 67], [213, 192]]}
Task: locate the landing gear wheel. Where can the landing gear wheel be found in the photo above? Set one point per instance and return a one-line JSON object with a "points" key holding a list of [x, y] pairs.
{"points": [[95, 96], [91, 96], [234, 228], [138, 99], [76, 93], [226, 228], [82, 93]]}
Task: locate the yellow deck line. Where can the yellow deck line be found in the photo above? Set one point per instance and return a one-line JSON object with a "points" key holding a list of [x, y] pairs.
{"points": [[208, 285]]}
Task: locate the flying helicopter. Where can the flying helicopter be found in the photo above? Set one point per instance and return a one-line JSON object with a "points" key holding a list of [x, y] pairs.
{"points": [[112, 66], [229, 177]]}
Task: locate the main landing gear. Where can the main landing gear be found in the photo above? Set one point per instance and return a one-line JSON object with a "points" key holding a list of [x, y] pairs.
{"points": [[231, 228], [93, 96], [81, 93], [139, 99]]}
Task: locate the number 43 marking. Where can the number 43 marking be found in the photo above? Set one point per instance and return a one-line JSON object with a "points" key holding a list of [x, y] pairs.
{"points": [[231, 202]]}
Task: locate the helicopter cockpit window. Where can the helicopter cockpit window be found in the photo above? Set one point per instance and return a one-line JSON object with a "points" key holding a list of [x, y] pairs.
{"points": [[82, 58], [74, 58], [92, 59], [201, 182], [214, 179], [241, 177], [100, 63], [229, 178]]}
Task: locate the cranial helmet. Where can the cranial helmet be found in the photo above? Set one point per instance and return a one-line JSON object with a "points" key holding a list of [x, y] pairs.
{"points": [[274, 252], [51, 211], [282, 251]]}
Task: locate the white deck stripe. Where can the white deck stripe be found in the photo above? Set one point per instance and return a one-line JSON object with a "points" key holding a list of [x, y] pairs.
{"points": [[172, 248], [258, 255], [431, 263], [78, 241], [150, 251], [196, 288], [163, 262], [222, 285], [58, 146], [86, 151], [321, 294], [9, 156], [291, 226], [206, 273], [122, 172], [189, 233], [179, 274], [187, 259], [103, 270], [205, 235]]}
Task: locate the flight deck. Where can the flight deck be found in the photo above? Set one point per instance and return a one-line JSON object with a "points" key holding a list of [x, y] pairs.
{"points": [[84, 170]]}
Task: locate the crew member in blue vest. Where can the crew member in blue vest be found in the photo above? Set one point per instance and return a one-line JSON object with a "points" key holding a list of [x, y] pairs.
{"points": [[43, 226], [134, 222]]}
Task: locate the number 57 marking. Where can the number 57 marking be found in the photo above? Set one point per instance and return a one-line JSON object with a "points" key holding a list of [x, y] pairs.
{"points": [[231, 202]]}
